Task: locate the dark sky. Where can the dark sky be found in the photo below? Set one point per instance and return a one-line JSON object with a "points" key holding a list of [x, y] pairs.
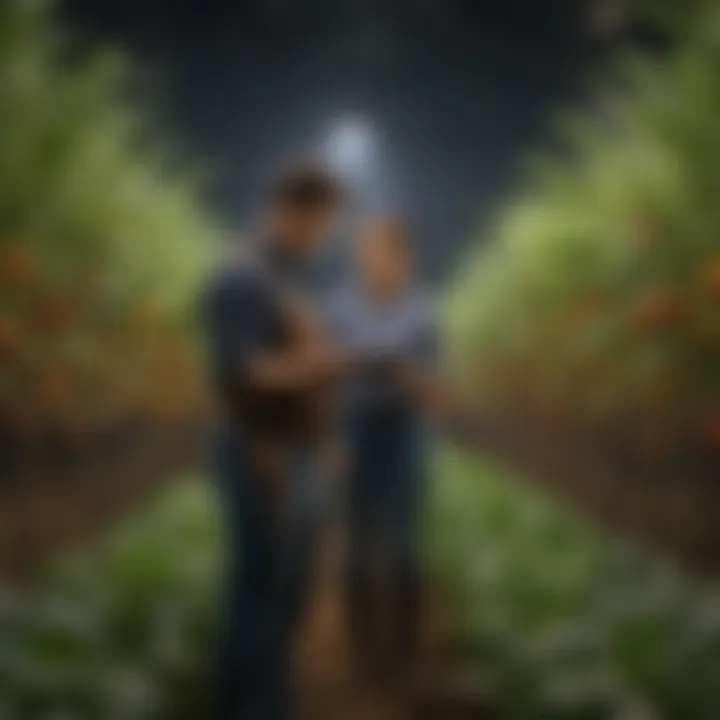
{"points": [[457, 90]]}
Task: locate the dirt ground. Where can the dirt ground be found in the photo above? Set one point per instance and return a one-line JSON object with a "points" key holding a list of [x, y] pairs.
{"points": [[329, 689]]}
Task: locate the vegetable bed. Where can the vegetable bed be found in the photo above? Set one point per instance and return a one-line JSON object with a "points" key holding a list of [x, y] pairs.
{"points": [[552, 618], [122, 632], [594, 310], [587, 324], [103, 243], [557, 620]]}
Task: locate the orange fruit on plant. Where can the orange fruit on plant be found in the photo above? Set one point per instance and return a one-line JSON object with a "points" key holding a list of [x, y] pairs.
{"points": [[706, 328], [52, 384], [18, 421], [10, 340], [17, 264], [712, 433], [710, 277], [52, 312], [647, 230], [93, 289], [144, 315], [21, 422], [657, 310]]}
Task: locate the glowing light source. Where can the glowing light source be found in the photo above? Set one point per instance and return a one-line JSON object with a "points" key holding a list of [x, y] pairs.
{"points": [[350, 145]]}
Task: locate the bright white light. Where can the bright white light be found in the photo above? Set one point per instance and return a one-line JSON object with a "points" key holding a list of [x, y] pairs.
{"points": [[350, 144]]}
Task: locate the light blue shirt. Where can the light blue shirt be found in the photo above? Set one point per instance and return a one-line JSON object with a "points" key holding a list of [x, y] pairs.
{"points": [[400, 328]]}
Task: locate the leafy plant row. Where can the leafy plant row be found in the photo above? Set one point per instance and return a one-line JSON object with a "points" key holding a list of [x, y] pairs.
{"points": [[122, 632], [597, 299], [102, 242], [556, 620]]}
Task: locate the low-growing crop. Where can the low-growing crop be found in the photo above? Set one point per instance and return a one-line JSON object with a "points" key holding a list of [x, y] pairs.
{"points": [[556, 619]]}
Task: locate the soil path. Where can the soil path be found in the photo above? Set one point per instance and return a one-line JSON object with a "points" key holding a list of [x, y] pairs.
{"points": [[328, 688]]}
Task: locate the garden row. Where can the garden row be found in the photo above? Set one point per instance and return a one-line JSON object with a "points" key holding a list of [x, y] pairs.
{"points": [[556, 619], [44, 514], [121, 632], [102, 243], [590, 322], [552, 618], [672, 507]]}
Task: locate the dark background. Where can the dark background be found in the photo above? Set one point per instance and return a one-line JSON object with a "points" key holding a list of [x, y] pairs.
{"points": [[457, 91]]}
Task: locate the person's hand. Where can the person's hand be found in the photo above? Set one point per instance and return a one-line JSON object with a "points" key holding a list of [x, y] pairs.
{"points": [[431, 392], [329, 363], [381, 365]]}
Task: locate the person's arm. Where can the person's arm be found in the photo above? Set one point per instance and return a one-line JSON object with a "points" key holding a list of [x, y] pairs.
{"points": [[293, 369], [239, 311], [313, 359], [422, 373]]}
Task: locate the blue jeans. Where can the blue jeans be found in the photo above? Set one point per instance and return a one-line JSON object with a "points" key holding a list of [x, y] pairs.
{"points": [[387, 461], [267, 577]]}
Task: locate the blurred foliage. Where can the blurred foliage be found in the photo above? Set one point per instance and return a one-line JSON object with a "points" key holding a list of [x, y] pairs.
{"points": [[556, 620], [102, 242], [599, 291], [674, 16], [122, 632]]}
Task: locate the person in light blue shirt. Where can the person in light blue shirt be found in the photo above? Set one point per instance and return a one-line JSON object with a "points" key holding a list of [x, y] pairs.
{"points": [[385, 320]]}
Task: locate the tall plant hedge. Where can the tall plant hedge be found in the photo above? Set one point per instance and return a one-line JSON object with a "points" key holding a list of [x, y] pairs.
{"points": [[102, 240], [598, 294]]}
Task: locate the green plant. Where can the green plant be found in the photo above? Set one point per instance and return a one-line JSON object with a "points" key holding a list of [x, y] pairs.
{"points": [[123, 630], [561, 621]]}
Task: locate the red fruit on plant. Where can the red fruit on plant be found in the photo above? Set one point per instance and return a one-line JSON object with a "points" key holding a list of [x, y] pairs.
{"points": [[712, 433], [9, 339], [52, 313], [647, 230], [89, 288], [17, 421], [710, 277], [145, 315], [17, 264], [52, 384], [705, 326], [657, 310]]}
